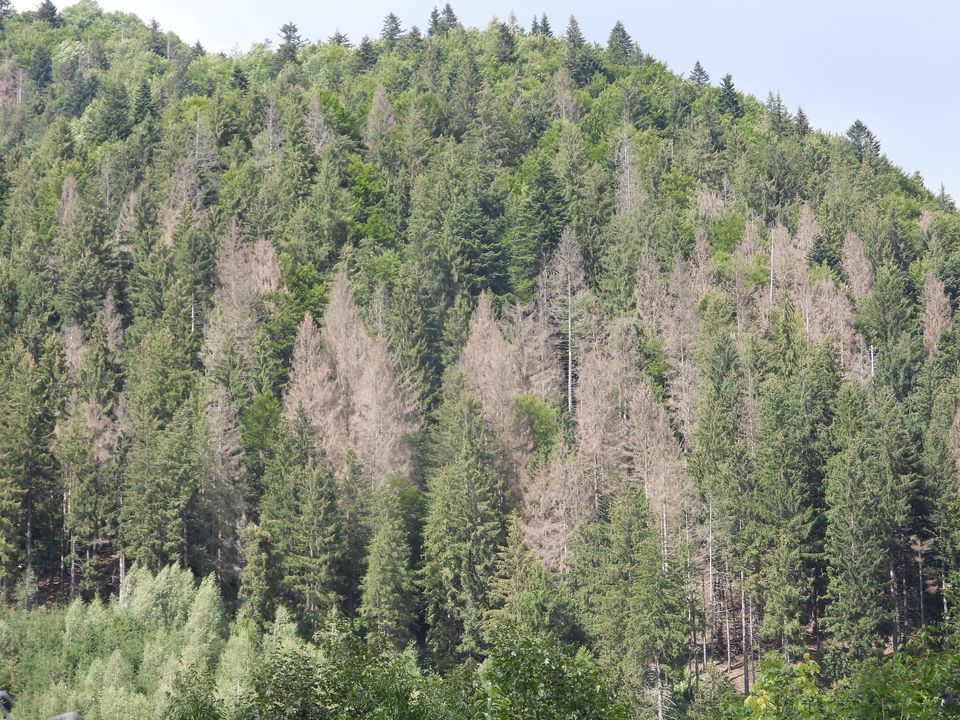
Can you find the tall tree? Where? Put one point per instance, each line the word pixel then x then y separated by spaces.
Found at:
pixel 632 599
pixel 566 299
pixel 729 100
pixel 620 46
pixel 699 76
pixel 465 525
pixel 389 592
pixel 302 519
pixel 391 31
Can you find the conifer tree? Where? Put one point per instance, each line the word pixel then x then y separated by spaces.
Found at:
pixel 6 10
pixel 48 13
pixel 540 218
pixel 854 550
pixel 292 42
pixel 565 293
pixel 545 28
pixel 409 334
pixel 631 598
pixel 255 594
pixel 573 35
pixel 794 412
pixel 389 595
pixel 434 24
pixel 302 519
pixel 391 31
pixel 41 67
pixel 699 76
pixel 465 525
pixel 866 147
pixel 449 18
pixel 801 123
pixel 158 518
pixel 525 597
pixel 620 46
pixel 729 100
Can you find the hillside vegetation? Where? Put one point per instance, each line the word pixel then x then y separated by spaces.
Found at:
pixel 462 373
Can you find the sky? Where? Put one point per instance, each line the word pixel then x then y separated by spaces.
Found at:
pixel 892 64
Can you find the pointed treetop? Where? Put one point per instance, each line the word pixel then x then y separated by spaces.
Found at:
pixel 48 12
pixel 545 28
pixel 433 25
pixel 865 144
pixel 699 76
pixel 801 122
pixel 619 44
pixel 729 99
pixel 450 17
pixel 339 38
pixel 574 36
pixel 391 31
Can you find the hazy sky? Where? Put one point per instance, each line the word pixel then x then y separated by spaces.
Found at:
pixel 892 64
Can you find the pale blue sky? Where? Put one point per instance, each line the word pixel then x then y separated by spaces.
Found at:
pixel 894 65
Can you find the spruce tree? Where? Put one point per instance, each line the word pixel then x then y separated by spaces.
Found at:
pixel 526 597
pixel 48 13
pixel 699 76
pixel 465 524
pixel 855 547
pixel 729 100
pixel 620 46
pixel 160 519
pixel 538 220
pixel 801 123
pixel 365 56
pixel 6 10
pixel 255 595
pixel 31 491
pixel 631 598
pixel 449 18
pixel 292 42
pixel 794 414
pixel 389 595
pixel 545 28
pixel 302 519
pixel 434 26
pixel 573 35
pixel 391 31
pixel 41 67
pixel 340 39
pixel 866 147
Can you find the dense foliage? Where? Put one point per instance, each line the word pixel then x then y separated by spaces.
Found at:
pixel 477 373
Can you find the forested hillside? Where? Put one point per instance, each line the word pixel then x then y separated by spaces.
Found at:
pixel 461 373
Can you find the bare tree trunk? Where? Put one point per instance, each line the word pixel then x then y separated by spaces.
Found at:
pixel 704 634
pixel 943 589
pixel 746 637
pixel 29 529
pixel 569 347
pixel 711 620
pixel 660 704
pixel 816 620
pixel 73 565
pixel 754 651
pixel 923 619
pixel 904 602
pixel 895 603
pixel 726 616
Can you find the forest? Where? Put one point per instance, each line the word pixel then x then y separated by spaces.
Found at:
pixel 488 374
